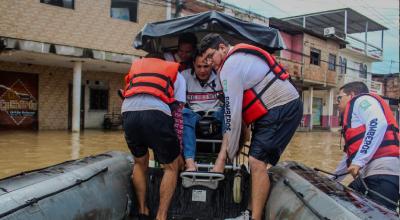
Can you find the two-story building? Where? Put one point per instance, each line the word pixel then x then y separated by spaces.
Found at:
pixel 353 60
pixel 62 61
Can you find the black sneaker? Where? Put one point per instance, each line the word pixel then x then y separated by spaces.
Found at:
pixel 143 217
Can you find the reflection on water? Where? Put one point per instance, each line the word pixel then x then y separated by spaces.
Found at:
pixel 21 151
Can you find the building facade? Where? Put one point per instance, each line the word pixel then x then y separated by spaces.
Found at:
pixel 391 91
pixel 62 61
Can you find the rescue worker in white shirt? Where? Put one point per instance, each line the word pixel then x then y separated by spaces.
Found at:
pixel 203 95
pixel 371 143
pixel 152 85
pixel 258 88
pixel 184 55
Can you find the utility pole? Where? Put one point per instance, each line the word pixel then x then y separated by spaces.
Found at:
pixel 390 69
pixel 179 5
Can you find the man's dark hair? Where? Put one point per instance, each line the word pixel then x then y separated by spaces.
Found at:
pixel 188 38
pixel 211 41
pixel 356 87
pixel 155 55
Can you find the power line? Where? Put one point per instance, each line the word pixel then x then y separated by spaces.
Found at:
pixel 325 61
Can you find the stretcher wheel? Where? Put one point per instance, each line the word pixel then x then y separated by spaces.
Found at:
pixel 237 192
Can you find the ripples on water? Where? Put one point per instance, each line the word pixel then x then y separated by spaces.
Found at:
pixel 22 151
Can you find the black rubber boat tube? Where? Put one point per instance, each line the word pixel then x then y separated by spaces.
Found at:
pixel 35 200
pixel 301 197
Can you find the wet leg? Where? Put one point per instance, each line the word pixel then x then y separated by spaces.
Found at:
pixel 260 185
pixel 167 188
pixel 139 180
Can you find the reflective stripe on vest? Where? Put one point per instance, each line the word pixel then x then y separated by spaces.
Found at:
pixel 354 136
pixel 152 76
pixel 254 99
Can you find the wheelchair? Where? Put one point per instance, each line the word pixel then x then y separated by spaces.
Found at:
pixel 208 143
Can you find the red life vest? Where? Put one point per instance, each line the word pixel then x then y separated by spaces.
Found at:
pixel 354 136
pixel 253 106
pixel 152 76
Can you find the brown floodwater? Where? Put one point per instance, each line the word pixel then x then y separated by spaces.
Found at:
pixel 22 151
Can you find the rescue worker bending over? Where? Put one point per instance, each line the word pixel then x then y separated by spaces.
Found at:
pixel 258 91
pixel 371 143
pixel 147 122
pixel 203 96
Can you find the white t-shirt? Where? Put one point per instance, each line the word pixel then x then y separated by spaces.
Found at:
pixel 202 98
pixel 180 88
pixel 368 111
pixel 240 72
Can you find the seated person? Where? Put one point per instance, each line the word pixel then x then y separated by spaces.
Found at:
pixel 203 95
pixel 184 55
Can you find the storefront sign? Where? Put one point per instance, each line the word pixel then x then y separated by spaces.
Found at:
pixel 18 100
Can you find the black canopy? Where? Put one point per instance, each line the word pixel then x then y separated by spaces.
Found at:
pixel 161 36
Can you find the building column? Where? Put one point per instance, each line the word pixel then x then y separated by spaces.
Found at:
pixel 330 106
pixel 76 96
pixel 311 90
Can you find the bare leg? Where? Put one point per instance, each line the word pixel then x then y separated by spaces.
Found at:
pixel 259 186
pixel 190 164
pixel 139 180
pixel 167 188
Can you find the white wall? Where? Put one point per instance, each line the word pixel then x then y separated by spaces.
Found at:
pixel 93 118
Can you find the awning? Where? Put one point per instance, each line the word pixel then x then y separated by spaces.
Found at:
pixel 161 35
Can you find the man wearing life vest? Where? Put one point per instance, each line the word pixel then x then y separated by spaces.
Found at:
pixel 150 87
pixel 184 55
pixel 258 91
pixel 203 95
pixel 371 143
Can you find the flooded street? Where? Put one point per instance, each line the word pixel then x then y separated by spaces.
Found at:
pixel 22 151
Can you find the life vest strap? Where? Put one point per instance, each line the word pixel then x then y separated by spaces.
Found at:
pixel 258 96
pixel 353 140
pixel 153 85
pixel 158 75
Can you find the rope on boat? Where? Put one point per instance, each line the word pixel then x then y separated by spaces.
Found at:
pixel 367 190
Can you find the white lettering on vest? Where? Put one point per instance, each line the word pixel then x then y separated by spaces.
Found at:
pixel 369 136
pixel 227 114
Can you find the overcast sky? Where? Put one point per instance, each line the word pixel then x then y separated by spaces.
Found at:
pixel 385 12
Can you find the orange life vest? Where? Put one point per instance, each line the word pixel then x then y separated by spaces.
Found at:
pixel 152 76
pixel 354 136
pixel 254 100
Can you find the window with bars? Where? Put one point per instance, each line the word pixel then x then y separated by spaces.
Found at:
pixel 98 99
pixel 343 65
pixel 332 62
pixel 363 71
pixel 315 57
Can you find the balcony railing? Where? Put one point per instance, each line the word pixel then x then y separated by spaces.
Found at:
pixel 364 47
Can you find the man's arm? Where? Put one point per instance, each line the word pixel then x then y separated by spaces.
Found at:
pixel 232 84
pixel 369 112
pixel 341 168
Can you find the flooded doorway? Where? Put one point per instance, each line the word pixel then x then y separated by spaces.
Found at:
pixel 317 111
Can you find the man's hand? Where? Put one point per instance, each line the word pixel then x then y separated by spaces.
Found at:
pixel 354 170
